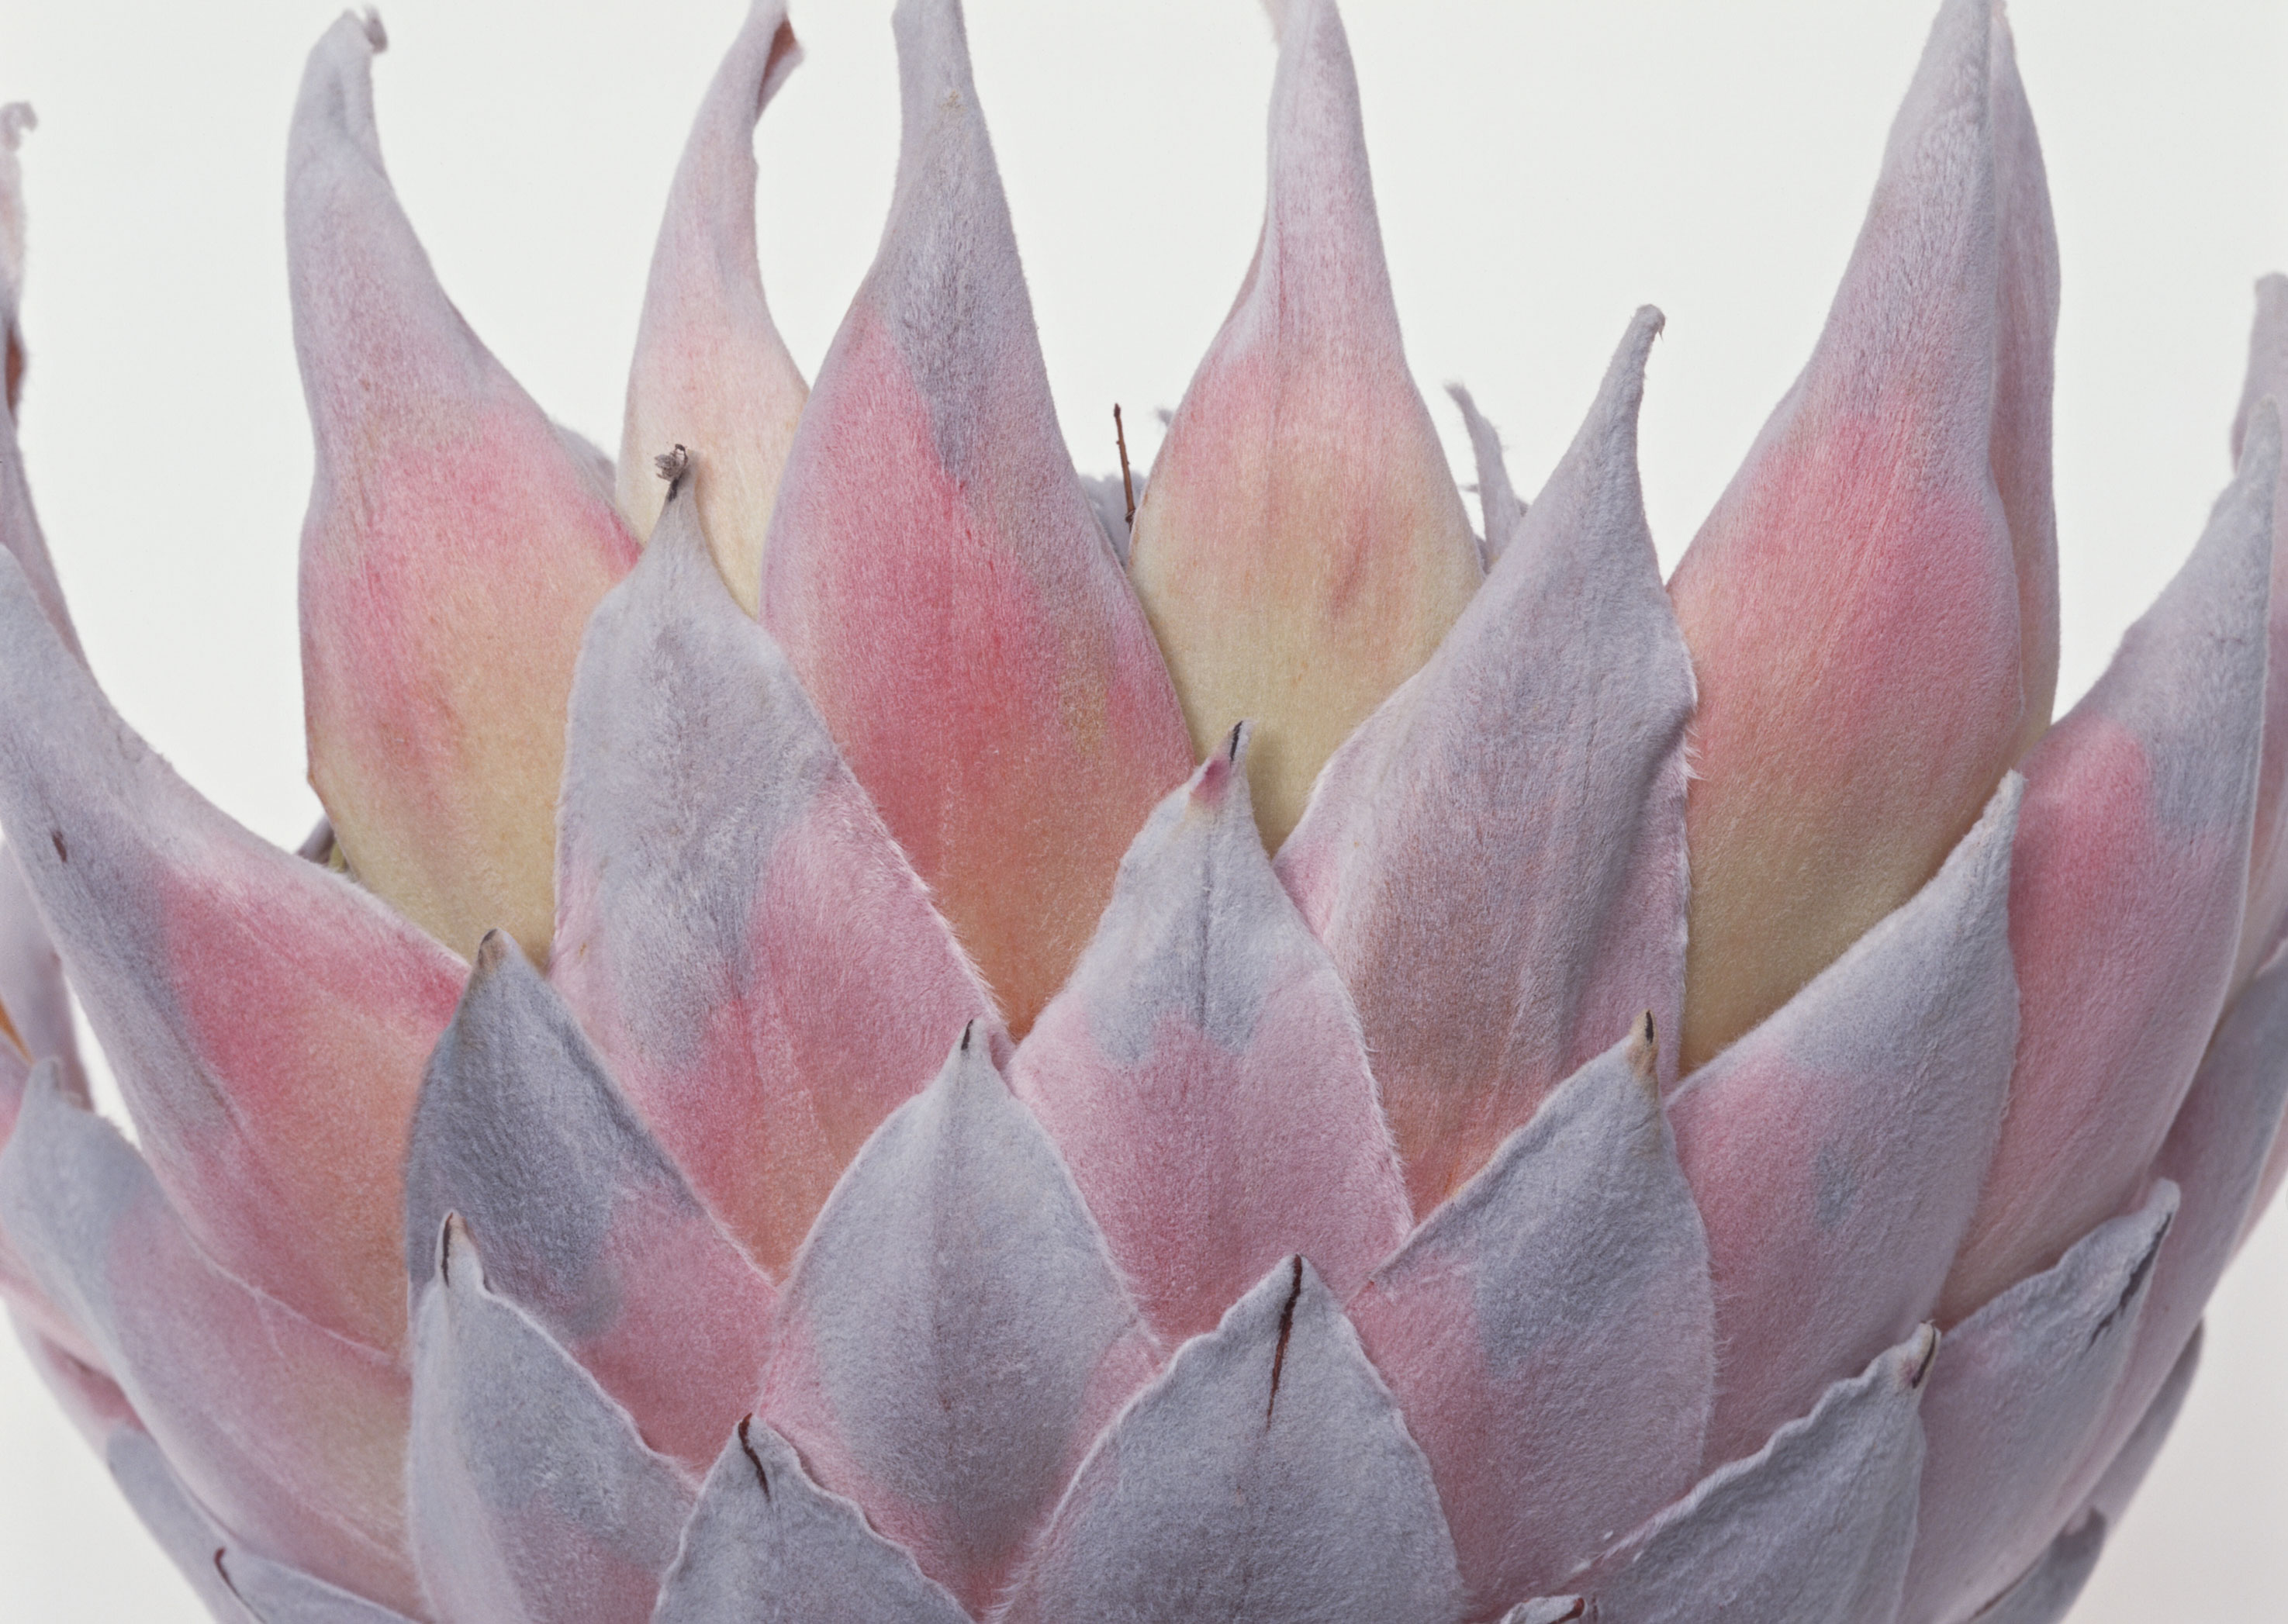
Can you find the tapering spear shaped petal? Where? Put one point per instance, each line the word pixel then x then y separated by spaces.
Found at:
pixel 453 547
pixel 1496 860
pixel 1301 546
pixel 1864 560
pixel 711 371
pixel 1202 1075
pixel 266 1020
pixel 191 1539
pixel 2123 1475
pixel 1814 1528
pixel 1550 1335
pixel 954 1332
pixel 43 1326
pixel 766 1545
pixel 1499 506
pixel 69 1366
pixel 2025 367
pixel 2267 915
pixel 1025 724
pixel 1838 1150
pixel 2215 1154
pixel 2049 1589
pixel 15 119
pixel 1265 1475
pixel 292 1434
pixel 586 1224
pixel 20 527
pixel 533 1499
pixel 735 929
pixel 2019 1393
pixel 2126 895
pixel 239 1586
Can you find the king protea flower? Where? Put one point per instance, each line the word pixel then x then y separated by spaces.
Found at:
pixel 880 1032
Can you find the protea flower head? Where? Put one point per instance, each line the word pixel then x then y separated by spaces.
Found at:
pixel 881 1032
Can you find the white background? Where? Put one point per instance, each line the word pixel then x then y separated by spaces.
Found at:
pixel 1543 168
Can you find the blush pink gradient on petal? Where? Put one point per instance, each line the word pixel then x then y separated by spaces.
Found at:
pixel 455 544
pixel 1203 1076
pixel 239 1585
pixel 711 371
pixel 532 1497
pixel 1301 548
pixel 940 581
pixel 735 929
pixel 266 1020
pixel 1838 1150
pixel 1550 1335
pixel 588 1225
pixel 292 1434
pixel 2127 887
pixel 1864 561
pixel 1496 858
pixel 955 1334
pixel 90 1399
pixel 2020 1392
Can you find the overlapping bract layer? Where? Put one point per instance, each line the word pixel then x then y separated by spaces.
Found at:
pixel 1336 1235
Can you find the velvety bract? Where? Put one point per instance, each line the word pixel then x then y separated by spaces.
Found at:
pixel 861 1045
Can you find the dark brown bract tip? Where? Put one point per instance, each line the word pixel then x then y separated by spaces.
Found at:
pixel 1286 1330
pixel 1127 480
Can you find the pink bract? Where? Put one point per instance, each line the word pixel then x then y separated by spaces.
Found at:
pixel 873 1035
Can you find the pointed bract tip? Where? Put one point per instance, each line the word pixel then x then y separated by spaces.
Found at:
pixel 747 1447
pixel 1920 1355
pixel 1218 785
pixel 455 1248
pixel 784 53
pixel 375 36
pixel 492 953
pixel 17 120
pixel 1644 1049
pixel 1286 1331
pixel 672 465
pixel 2267 354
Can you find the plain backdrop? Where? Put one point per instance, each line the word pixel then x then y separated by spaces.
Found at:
pixel 1542 170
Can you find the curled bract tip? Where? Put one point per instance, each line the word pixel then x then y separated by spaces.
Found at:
pixel 369 22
